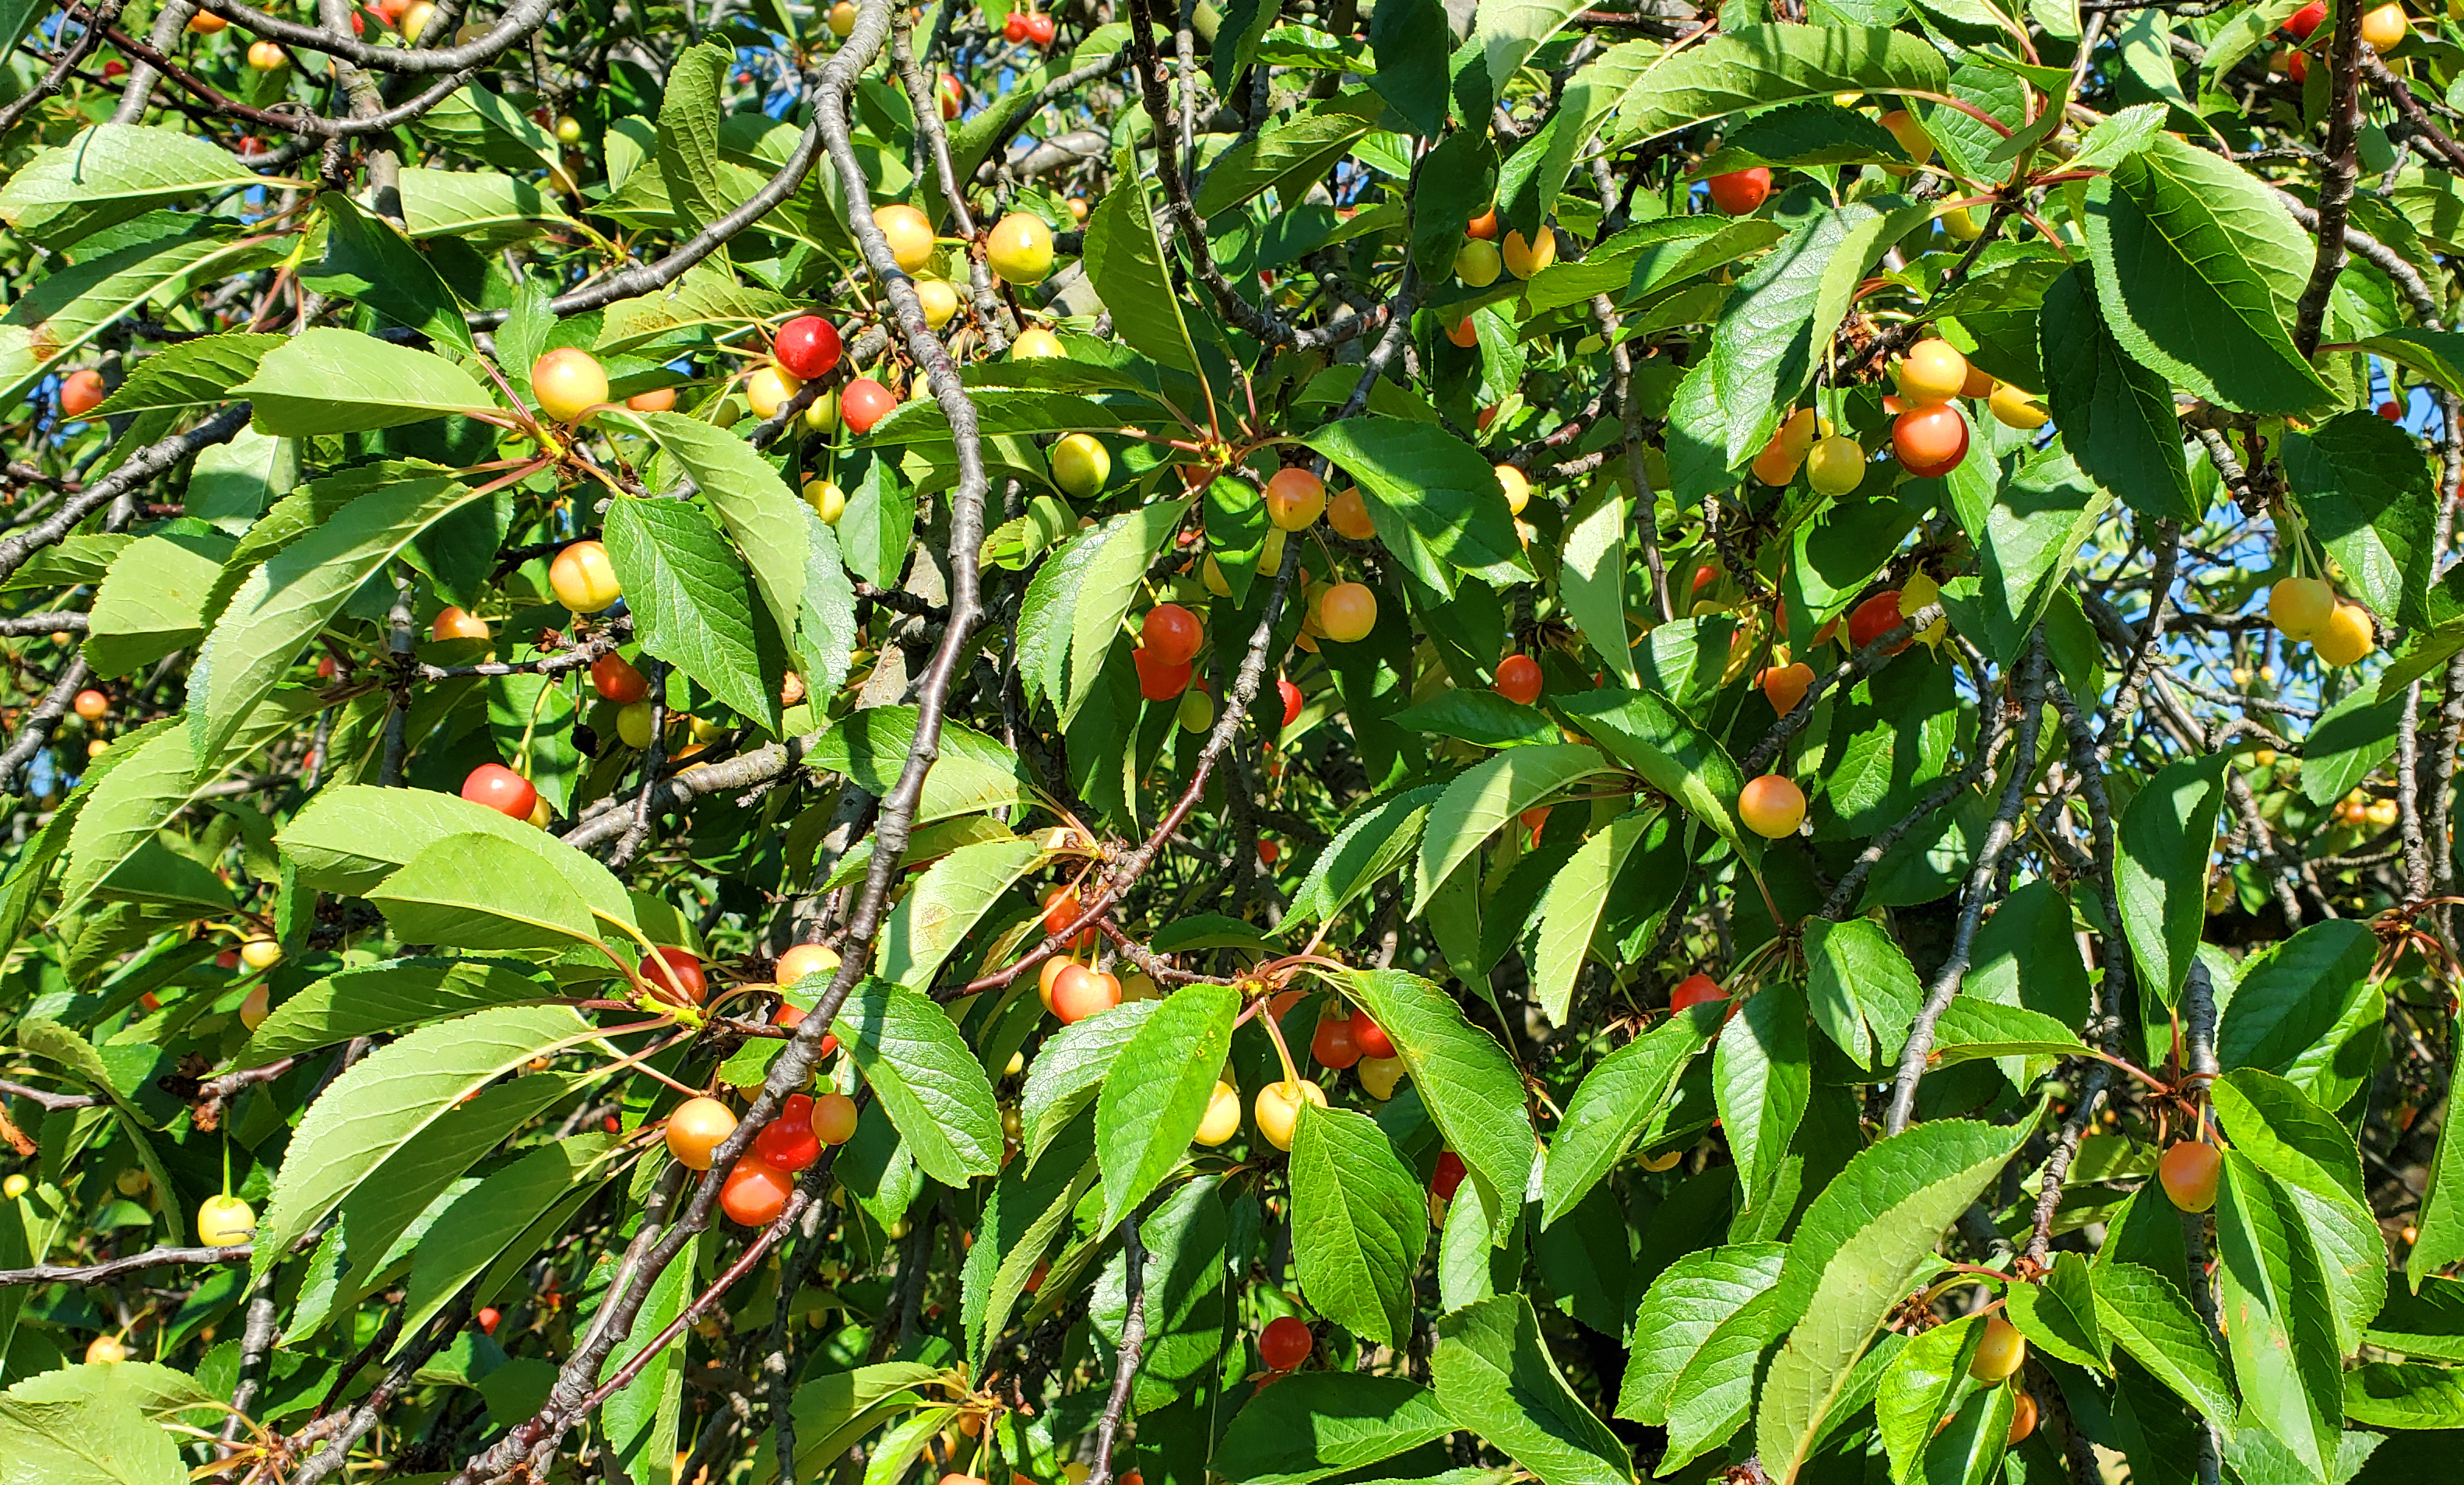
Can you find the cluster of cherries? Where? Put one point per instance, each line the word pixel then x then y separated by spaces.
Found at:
pixel 1032 26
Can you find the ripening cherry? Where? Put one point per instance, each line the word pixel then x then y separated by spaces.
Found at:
pixel 1785 685
pixel 1516 486
pixel 1527 256
pixel 500 789
pixel 1159 679
pixel 1741 192
pixel 2015 408
pixel 266 56
pixel 953 98
pixel 1333 1044
pixel 1771 806
pixel 91 705
pixel 1284 1344
pixel 698 1128
pixel 769 389
pixel 1873 618
pixel 908 233
pixel 1931 441
pixel 1018 249
pixel 453 623
pixel 2001 1351
pixel 204 23
pixel 2301 606
pixel 2189 1171
pixel 582 579
pixel 225 1222
pixel 260 953
pixel 2306 20
pixel 2385 28
pixel 1171 634
pixel 255 1006
pixel 843 19
pixel 1037 344
pixel 1348 612
pixel 656 400
pixel 1464 333
pixel 938 298
pixel 806 346
pixel 1483 227
pixel 81 391
pixel 1910 133
pixel 1693 990
pixel 1079 993
pixel 755 1193
pixel 673 969
pixel 1222 1119
pixel 1348 512
pixel 2347 638
pixel 2023 1420
pixel 613 677
pixel 1519 679
pixel 1379 1075
pixel 568 383
pixel 1448 1178
pixel 107 1350
pixel 1080 464
pixel 1478 263
pixel 801 961
pixel 1291 698
pixel 1269 852
pixel 787 1141
pixel 1371 1038
pixel 1277 1109
pixel 1933 371
pixel 1296 498
pixel 834 1117
pixel 487 1318
pixel 864 403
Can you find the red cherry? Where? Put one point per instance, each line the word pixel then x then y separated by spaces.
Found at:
pixel 1173 634
pixel 1929 441
pixel 615 679
pixel 1040 28
pixel 1738 192
pixel 807 346
pixel 1873 618
pixel 2306 20
pixel 1284 1344
pixel 1705 574
pixel 685 969
pixel 1693 990
pixel 755 1192
pixel 487 1318
pixel 1291 695
pixel 2393 412
pixel 1270 852
pixel 613 1125
pixel 1518 678
pixel 1014 29
pixel 1159 679
pixel 1448 1177
pixel 787 1141
pixel 864 403
pixel 1334 1045
pixel 1371 1038
pixel 502 790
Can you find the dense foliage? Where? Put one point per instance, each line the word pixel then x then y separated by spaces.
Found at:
pixel 1246 743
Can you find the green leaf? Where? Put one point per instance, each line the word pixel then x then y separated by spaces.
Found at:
pixel 330 381
pixel 836 1411
pixel 925 1078
pixel 974 773
pixel 1505 33
pixel 2368 496
pixel 350 838
pixel 1496 1377
pixel 1111 578
pixel 90 1436
pixel 1692 1299
pixel 1359 1222
pixel 60 314
pixel 2198 266
pixel 1300 146
pixel 1762 1073
pixel 1313 1424
pixel 2169 832
pixel 760 511
pixel 110 172
pixel 289 597
pixel 390 1099
pixel 369 261
pixel 1860 989
pixel 2405 1395
pixel 2439 1225
pixel 122 816
pixel 1030 1201
pixel 1409 40
pixel 1715 1395
pixel 1920 1396
pixel 197 373
pixel 1434 499
pixel 1156 1093
pixel 1069 1069
pixel 687 132
pixel 2349 739
pixel 2296 1009
pixel 944 905
pixel 2026 533
pixel 2057 1313
pixel 1125 262
pixel 484 1221
pixel 1577 896
pixel 1646 731
pixel 1863 1245
pixel 1618 1099
pixel 1534 176
pixel 1467 1082
pixel 1483 798
pixel 691 601
pixel 388 997
pixel 2147 1316
pixel 1591 578
pixel 1756 66
pixel 1971 1028
pixel 2315 1162
pixel 2273 1300
pixel 483 892
pixel 1380 836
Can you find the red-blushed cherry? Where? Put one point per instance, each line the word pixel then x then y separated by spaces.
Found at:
pixel 807 346
pixel 1519 679
pixel 671 969
pixel 1693 990
pixel 1285 1342
pixel 698 1126
pixel 1931 441
pixel 1371 1038
pixel 656 400
pixel 1291 695
pixel 1079 993
pixel 787 1141
pixel 755 1193
pixel 488 1319
pixel 613 677
pixel 2188 1172
pixel 1269 852
pixel 1173 634
pixel 1739 192
pixel 1333 1044
pixel 1041 29
pixel 81 392
pixel 1448 1178
pixel 1873 618
pixel 834 1117
pixel 1159 679
pixel 864 403
pixel 456 623
pixel 91 705
pixel 1062 907
pixel 2306 20
pixel 502 790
